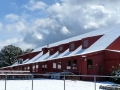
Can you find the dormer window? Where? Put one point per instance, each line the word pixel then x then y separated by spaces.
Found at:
pixel 61 48
pixel 20 61
pixel 72 46
pixel 51 50
pixel 85 43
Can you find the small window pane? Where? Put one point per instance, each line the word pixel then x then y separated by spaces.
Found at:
pixel 89 64
pixel 25 68
pixel 28 68
pixel 61 48
pixel 68 64
pixel 33 68
pixel 43 67
pixel 54 65
pixel 74 64
pixel 85 43
pixel 72 46
pixel 59 65
pixel 36 67
pixel 51 51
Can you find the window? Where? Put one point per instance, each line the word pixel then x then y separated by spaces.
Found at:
pixel 51 51
pixel 33 68
pixel 74 64
pixel 36 67
pixel 20 61
pixel 54 65
pixel 61 48
pixel 68 64
pixel 59 65
pixel 85 43
pixel 89 64
pixel 72 46
pixel 28 68
pixel 43 67
pixel 25 68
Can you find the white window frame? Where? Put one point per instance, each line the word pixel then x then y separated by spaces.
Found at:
pixel 54 65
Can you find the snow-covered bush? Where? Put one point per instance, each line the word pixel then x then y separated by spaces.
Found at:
pixel 116 72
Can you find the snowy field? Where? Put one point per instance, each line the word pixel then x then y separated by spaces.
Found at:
pixel 50 84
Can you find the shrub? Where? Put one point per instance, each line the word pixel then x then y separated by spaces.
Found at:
pixel 115 72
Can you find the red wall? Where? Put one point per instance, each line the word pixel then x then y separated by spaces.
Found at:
pixel 55 49
pixel 29 55
pixel 115 45
pixel 45 50
pixel 91 40
pixel 65 47
pixel 98 61
pixel 102 60
pixel 76 44
pixel 111 59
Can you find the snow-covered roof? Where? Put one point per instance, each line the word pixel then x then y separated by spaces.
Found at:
pixel 79 37
pixel 113 50
pixel 109 34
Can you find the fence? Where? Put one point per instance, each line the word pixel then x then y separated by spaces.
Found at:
pixel 31 77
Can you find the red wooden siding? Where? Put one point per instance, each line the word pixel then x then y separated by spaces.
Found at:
pixel 29 55
pixel 53 50
pixel 76 44
pixel 91 40
pixel 115 45
pixel 65 47
pixel 45 50
pixel 112 59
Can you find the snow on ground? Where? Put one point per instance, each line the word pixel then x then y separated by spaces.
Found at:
pixel 50 84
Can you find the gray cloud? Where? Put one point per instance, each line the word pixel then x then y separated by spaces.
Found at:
pixel 77 16
pixel 67 19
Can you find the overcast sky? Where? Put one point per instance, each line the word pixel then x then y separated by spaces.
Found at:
pixel 34 23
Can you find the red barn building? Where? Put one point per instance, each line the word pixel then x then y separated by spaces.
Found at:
pixel 93 53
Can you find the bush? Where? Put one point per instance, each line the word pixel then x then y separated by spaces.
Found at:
pixel 115 72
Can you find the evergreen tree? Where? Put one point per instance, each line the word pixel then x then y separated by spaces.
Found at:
pixel 9 54
pixel 28 50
